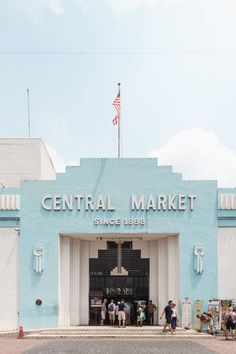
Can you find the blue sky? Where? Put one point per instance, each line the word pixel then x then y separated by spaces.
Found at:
pixel 175 59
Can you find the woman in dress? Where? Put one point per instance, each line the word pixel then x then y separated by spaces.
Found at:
pixel 103 311
pixel 140 314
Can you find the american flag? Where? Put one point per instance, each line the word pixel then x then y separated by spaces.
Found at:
pixel 116 104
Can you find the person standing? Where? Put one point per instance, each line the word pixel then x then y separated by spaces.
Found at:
pixel 127 313
pixel 230 321
pixel 121 313
pixel 151 308
pixel 111 312
pixel 103 311
pixel 131 312
pixel 116 312
pixel 140 314
pixel 168 313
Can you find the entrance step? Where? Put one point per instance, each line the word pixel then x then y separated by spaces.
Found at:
pixel 113 332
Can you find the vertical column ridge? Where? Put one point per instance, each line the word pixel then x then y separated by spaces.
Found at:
pixel 64 288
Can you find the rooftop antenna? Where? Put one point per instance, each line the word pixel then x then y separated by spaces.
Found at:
pixel 28 112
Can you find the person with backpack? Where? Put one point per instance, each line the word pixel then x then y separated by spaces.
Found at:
pixel 230 321
pixel 111 312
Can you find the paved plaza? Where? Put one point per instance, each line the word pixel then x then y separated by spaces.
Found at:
pixel 121 347
pixel 10 345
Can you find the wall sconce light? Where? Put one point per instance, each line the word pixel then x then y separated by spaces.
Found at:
pixel 38 252
pixel 38 302
pixel 199 252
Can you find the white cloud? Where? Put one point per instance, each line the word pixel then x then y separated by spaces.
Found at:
pixel 208 5
pixel 127 5
pixel 56 7
pixel 34 9
pixel 84 4
pixel 57 160
pixel 199 154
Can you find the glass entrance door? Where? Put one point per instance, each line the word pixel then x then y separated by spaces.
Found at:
pixel 133 287
pixel 116 288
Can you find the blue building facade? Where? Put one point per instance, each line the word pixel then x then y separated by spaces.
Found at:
pixel 66 223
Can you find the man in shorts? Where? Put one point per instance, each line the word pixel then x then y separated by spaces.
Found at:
pixel 168 313
pixel 121 313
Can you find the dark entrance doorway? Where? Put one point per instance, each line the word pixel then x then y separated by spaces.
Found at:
pixel 132 286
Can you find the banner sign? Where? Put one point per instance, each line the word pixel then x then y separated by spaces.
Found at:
pixel 214 306
pixel 186 313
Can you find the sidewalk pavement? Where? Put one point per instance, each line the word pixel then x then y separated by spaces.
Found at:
pixel 11 345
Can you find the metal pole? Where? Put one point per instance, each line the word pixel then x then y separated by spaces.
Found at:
pixel 119 138
pixel 119 125
pixel 28 112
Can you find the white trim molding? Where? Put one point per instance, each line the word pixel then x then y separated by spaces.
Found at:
pixel 227 201
pixel 9 202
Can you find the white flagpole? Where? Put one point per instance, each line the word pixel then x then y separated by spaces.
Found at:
pixel 119 126
pixel 28 112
